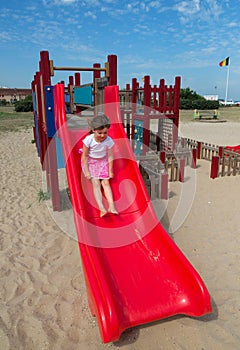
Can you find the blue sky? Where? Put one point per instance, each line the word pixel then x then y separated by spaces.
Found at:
pixel 160 38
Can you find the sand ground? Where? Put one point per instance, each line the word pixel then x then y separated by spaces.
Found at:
pixel 43 298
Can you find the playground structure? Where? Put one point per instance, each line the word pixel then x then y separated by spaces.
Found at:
pixel 139 106
pixel 47 142
pixel 160 282
pixel 85 96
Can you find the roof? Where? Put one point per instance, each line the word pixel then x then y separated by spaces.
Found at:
pixel 15 91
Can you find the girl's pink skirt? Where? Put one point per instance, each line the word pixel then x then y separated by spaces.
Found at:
pixel 98 167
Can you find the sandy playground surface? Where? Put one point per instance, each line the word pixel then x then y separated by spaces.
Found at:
pixel 43 298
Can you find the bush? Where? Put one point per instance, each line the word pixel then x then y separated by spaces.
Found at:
pixel 198 104
pixel 189 99
pixel 25 105
pixel 4 102
pixel 188 94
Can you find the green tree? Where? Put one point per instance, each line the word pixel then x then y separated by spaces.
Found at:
pixel 189 99
pixel 188 94
pixel 3 102
pixel 25 105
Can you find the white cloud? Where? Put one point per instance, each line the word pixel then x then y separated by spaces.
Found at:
pixel 58 2
pixel 4 36
pixel 90 14
pixel 66 1
pixel 90 3
pixel 204 11
pixel 188 7
pixel 232 24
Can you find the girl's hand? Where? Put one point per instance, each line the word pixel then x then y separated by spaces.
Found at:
pixel 111 175
pixel 88 176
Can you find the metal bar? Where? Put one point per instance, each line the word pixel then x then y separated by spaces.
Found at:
pixel 92 69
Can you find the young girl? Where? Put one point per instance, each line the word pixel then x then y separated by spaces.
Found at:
pixel 97 161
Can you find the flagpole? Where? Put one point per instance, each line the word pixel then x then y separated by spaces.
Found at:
pixel 227 83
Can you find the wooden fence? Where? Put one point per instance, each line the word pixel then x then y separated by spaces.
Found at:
pixel 160 168
pixel 223 161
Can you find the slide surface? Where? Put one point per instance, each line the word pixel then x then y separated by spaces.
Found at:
pixel 134 272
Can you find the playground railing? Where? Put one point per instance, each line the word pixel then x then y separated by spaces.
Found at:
pixel 224 161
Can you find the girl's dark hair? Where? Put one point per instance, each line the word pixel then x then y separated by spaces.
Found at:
pixel 100 122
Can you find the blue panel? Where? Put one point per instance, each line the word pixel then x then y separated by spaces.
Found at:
pixel 83 95
pixel 67 97
pixel 37 132
pixel 59 151
pixel 51 130
pixel 34 101
pixel 138 137
pixel 67 102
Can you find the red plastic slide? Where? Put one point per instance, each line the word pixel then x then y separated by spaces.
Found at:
pixel 134 271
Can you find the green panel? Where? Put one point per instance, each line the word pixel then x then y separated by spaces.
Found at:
pixel 83 95
pixel 138 137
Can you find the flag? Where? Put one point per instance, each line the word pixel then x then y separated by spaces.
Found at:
pixel 224 62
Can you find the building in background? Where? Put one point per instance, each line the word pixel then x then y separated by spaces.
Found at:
pixel 13 94
pixel 211 97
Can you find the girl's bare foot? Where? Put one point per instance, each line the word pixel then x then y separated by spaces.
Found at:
pixel 113 210
pixel 103 212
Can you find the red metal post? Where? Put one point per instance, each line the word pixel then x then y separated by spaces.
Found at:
pixel 77 84
pixel 164 186
pixel 134 102
pixel 147 105
pixel 181 170
pixel 161 95
pixel 70 90
pixel 50 156
pixel 77 79
pixel 165 99
pixel 96 75
pixel 147 91
pixel 162 156
pixel 112 60
pixel 34 127
pixel 170 145
pixel 134 92
pixel 40 121
pixel 177 100
pixel 71 80
pixel 44 79
pixel 199 150
pixel 127 106
pixel 176 107
pixel 127 102
pixel 194 158
pixel 220 151
pixel 45 67
pixel 170 98
pixel 214 167
pixel 154 97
